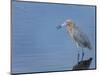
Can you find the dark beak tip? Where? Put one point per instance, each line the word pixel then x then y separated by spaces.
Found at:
pixel 58 27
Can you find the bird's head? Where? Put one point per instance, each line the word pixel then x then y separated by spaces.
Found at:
pixel 68 23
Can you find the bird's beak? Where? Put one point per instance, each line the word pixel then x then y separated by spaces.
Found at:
pixel 60 26
pixel 63 25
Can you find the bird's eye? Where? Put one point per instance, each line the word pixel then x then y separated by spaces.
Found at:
pixel 68 24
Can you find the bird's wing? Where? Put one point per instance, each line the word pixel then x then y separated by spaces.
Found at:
pixel 81 38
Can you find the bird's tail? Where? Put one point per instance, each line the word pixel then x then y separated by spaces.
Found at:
pixel 90 47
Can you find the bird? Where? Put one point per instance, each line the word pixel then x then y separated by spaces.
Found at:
pixel 81 40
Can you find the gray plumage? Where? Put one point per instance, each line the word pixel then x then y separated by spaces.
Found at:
pixel 80 38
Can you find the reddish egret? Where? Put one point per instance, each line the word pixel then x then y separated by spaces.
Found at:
pixel 77 36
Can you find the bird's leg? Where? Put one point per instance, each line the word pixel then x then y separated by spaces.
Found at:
pixel 82 54
pixel 78 57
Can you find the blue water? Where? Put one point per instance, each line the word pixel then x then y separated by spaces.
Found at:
pixel 37 45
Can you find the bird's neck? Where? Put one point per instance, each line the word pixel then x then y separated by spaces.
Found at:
pixel 70 28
